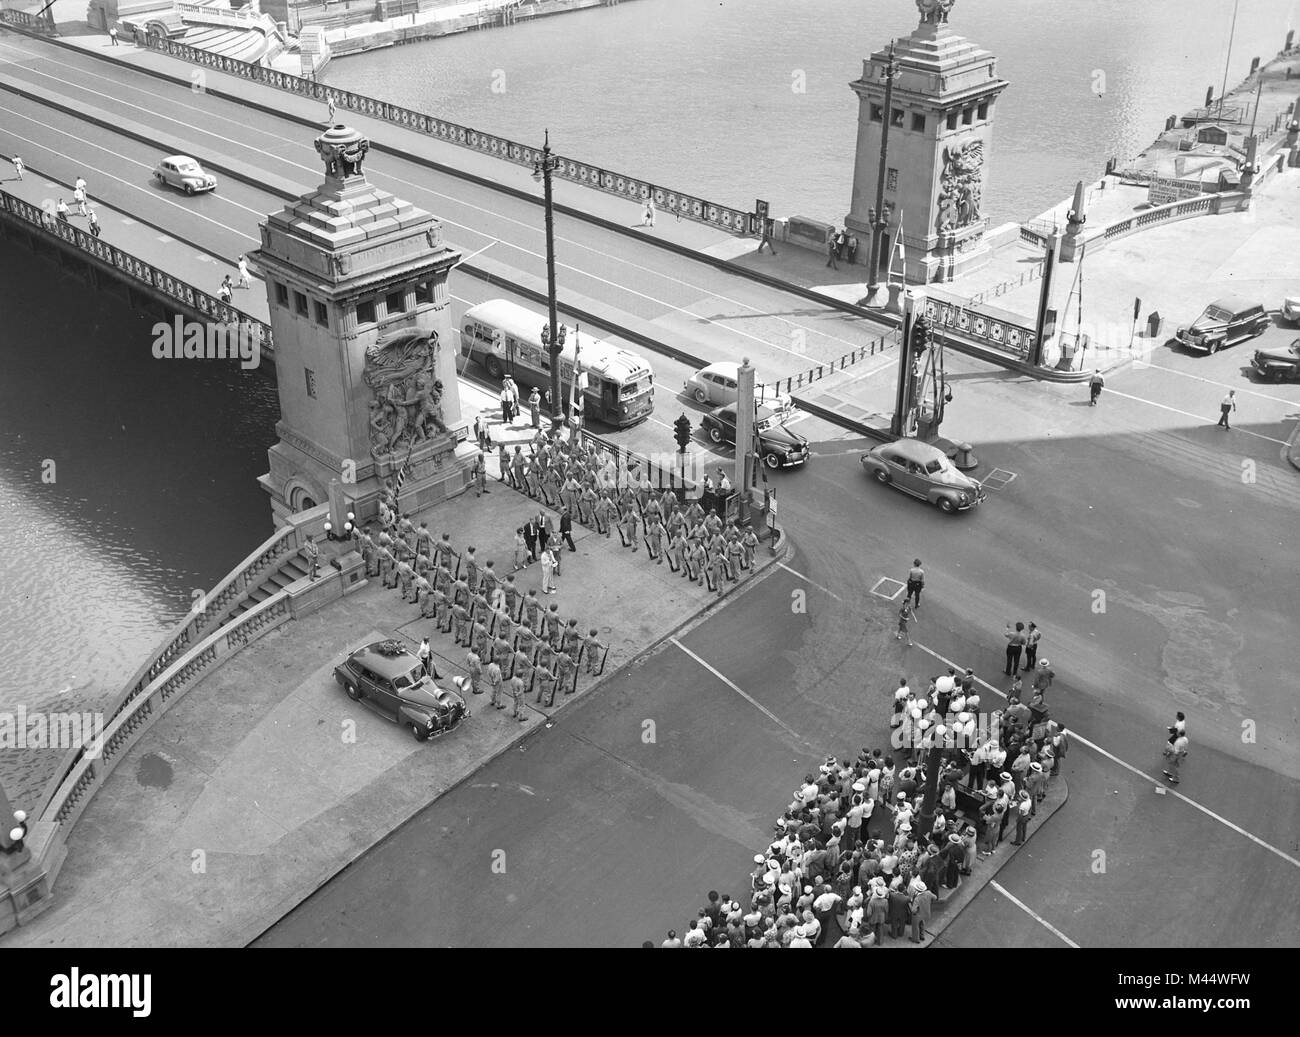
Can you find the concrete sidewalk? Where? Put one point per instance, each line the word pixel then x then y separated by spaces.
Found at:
pixel 266 780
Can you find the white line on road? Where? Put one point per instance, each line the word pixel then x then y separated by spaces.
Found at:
pixel 737 689
pixel 1190 414
pixel 1222 385
pixel 1033 914
pixel 1075 736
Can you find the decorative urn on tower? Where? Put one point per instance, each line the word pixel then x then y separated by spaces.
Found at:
pixel 364 346
pixel 940 126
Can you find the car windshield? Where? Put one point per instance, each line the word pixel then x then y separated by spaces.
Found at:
pixel 407 680
pixel 1214 313
pixel 187 167
pixel 934 467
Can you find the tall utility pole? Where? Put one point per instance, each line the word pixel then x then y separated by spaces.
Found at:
pixel 879 222
pixel 914 303
pixel 542 170
pixel 1228 60
pixel 745 459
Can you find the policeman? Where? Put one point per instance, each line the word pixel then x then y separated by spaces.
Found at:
pixel 517 693
pixel 405 576
pixel 423 590
pixel 489 581
pixel 565 672
pixel 387 567
pixel 492 674
pixel 460 624
pixel 313 557
pixel 545 684
pixel 471 569
pixel 593 649
pixel 474 667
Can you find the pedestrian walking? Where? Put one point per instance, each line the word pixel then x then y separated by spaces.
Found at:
pixel 767 237
pixel 915 582
pixel 566 528
pixel 18 166
pixel 243 272
pixel 1175 753
pixel 226 291
pixel 1015 645
pixel 112 36
pixel 530 531
pixel 905 616
pixel 329 102
pixel 1226 406
pixel 548 572
pixel 1023 806
pixel 1043 676
pixel 1032 636
pixel 94 223
pixel 830 253
pixel 1095 385
pixel 79 196
pixel 648 216
pixel 922 900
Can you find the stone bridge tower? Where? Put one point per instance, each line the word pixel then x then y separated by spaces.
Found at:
pixel 365 350
pixel 940 137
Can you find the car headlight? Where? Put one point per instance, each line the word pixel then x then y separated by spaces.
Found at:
pixel 964 499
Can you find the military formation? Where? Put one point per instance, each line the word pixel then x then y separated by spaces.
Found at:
pixel 515 645
pixel 581 482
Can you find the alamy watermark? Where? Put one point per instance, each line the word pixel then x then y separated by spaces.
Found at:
pixel 23 730
pixel 207 340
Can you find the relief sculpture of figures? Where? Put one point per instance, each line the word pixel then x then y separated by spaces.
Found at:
pixel 406 405
pixel 960 186
pixel 934 11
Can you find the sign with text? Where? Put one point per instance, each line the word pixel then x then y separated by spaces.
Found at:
pixel 1163 192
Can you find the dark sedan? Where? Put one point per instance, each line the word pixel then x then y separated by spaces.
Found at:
pixel 388 677
pixel 777 445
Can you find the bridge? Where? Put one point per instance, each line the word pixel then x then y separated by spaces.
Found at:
pixel 690 290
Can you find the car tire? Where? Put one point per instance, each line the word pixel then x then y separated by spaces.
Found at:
pixel 772 461
pixel 420 732
pixel 715 434
pixel 700 396
pixel 493 366
pixel 1214 347
pixel 354 693
pixel 189 188
pixel 159 178
pixel 946 505
pixel 882 476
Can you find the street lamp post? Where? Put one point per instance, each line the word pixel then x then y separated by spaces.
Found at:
pixel 542 170
pixel 879 222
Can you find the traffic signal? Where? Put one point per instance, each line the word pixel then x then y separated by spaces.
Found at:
pixel 682 433
pixel 920 334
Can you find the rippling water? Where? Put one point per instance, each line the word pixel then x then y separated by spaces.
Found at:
pixel 697 94
pixel 154 492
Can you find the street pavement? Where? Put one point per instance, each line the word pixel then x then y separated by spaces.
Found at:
pixel 608 840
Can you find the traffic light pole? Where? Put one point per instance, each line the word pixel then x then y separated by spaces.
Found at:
pixel 744 436
pixel 913 308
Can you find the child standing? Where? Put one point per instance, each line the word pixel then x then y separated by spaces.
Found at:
pixel 905 616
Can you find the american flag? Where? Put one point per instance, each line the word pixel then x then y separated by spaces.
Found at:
pixel 401 474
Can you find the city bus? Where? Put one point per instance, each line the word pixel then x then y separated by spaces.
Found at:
pixel 505 338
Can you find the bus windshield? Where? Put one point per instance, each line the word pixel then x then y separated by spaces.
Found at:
pixel 630 389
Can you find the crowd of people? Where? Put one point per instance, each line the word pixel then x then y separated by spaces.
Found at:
pixel 516 644
pixel 855 861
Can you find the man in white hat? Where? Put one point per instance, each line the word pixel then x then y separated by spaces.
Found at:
pixel 1024 805
pixel 1035 783
pixel 695 937
pixel 922 899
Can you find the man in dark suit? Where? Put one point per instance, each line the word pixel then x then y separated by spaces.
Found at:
pixel 566 528
pixel 530 538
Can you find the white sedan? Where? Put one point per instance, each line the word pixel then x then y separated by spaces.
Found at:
pixel 183 172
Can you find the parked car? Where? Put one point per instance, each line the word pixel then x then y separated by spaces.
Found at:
pixel 389 678
pixel 1225 322
pixel 777 445
pixel 1278 365
pixel 925 472
pixel 183 172
pixel 1291 308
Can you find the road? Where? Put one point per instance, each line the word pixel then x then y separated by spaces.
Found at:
pixel 608 840
pixel 1156 551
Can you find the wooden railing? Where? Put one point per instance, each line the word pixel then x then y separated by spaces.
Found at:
pixel 670 202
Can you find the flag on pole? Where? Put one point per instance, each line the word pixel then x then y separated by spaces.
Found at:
pixel 402 473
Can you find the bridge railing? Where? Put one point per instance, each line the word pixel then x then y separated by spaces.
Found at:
pixel 42 23
pixel 994 329
pixel 671 202
pixel 136 269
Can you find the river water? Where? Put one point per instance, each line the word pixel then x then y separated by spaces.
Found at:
pixel 154 492
pixel 699 95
